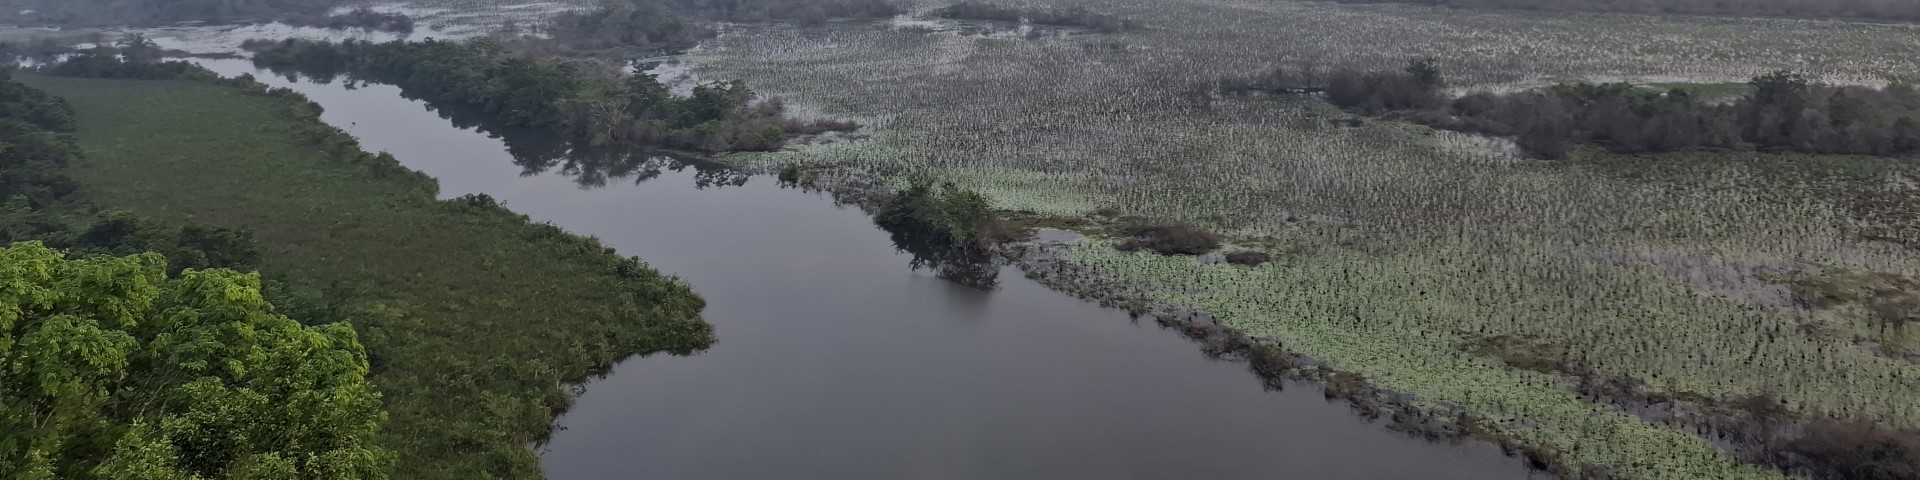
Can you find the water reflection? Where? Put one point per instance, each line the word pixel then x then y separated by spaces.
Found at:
pixel 539 151
pixel 835 363
pixel 963 263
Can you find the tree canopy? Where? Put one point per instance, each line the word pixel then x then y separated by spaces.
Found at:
pixel 110 369
pixel 579 99
pixel 1873 9
pixel 110 12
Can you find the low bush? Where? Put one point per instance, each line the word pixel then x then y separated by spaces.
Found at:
pixel 1854 451
pixel 1170 238
pixel 1249 258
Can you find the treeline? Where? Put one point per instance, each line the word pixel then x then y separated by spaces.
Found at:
pixel 1065 17
pixel 429 353
pixel 585 102
pixel 773 10
pixel 133 46
pixel 1784 112
pixel 359 18
pixel 1903 10
pixel 621 24
pixel 153 12
pixel 671 25
pixel 39 201
pixel 949 230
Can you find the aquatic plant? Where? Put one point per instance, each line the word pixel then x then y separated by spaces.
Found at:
pixel 1407 246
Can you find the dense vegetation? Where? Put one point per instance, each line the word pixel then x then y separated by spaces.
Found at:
pixel 473 317
pixel 948 230
pixel 43 203
pixel 622 25
pixel 1397 245
pixel 154 366
pixel 772 10
pixel 1852 9
pixel 360 18
pixel 32 166
pixel 1170 238
pixel 307 13
pixel 625 26
pixel 116 371
pixel 1783 111
pixel 153 12
pixel 1075 16
pixel 580 99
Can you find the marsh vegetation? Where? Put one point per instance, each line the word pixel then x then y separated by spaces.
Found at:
pixel 1712 277
pixel 1076 16
pixel 1641 260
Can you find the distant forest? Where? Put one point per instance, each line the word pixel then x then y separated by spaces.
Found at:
pixel 148 12
pixel 774 10
pixel 589 104
pixel 1902 10
pixel 1784 111
pixel 622 26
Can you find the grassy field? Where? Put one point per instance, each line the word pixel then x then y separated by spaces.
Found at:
pixel 1401 248
pixel 472 316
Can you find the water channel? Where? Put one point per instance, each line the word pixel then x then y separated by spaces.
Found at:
pixel 837 360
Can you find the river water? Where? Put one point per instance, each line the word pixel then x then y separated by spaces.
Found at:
pixel 837 360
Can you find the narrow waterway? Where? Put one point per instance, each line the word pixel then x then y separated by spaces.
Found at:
pixel 837 360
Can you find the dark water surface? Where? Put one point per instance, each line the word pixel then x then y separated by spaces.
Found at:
pixel 837 361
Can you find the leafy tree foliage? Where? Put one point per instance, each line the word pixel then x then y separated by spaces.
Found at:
pixel 772 10
pixel 34 153
pixel 619 28
pixel 946 230
pixel 364 18
pixel 111 370
pixel 148 12
pixel 960 214
pixel 1785 111
pixel 621 24
pixel 467 388
pixel 1865 9
pixel 33 149
pixel 589 104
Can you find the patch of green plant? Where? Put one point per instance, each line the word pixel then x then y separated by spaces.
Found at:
pixel 1867 306
pixel 589 103
pixel 116 371
pixel 474 317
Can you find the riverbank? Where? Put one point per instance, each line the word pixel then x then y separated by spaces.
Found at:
pixel 882 372
pixel 475 318
pixel 1429 263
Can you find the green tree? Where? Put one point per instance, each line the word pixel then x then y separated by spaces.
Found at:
pixel 111 370
pixel 1426 72
pixel 964 212
pixel 1780 88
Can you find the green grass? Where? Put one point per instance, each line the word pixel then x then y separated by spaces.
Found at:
pixel 472 316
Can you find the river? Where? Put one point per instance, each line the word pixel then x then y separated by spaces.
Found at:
pixel 837 360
